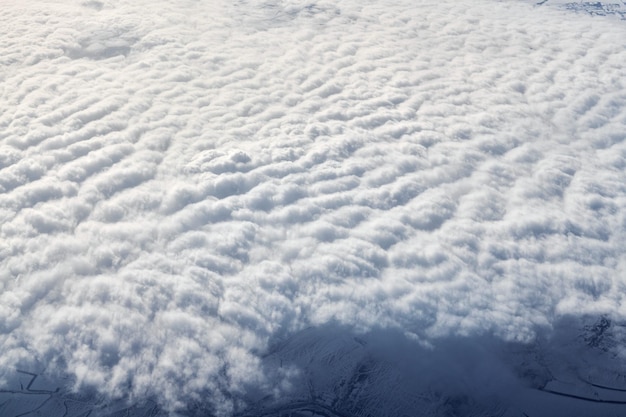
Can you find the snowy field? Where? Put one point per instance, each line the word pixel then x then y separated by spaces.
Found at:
pixel 595 8
pixel 322 208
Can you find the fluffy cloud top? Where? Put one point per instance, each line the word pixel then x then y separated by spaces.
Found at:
pixel 183 183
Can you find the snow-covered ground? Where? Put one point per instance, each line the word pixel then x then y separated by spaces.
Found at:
pixel 329 208
pixel 596 8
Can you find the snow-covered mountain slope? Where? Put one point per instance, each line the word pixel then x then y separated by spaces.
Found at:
pixel 257 207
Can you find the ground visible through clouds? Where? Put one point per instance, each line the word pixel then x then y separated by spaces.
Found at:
pixel 317 208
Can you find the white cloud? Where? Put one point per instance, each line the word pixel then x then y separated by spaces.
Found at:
pixel 183 184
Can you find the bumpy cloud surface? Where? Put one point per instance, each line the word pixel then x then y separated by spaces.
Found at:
pixel 183 183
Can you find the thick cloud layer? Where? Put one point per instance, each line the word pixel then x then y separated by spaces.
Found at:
pixel 181 183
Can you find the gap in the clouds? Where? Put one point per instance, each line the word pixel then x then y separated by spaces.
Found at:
pixel 594 8
pixel 334 370
pixel 574 367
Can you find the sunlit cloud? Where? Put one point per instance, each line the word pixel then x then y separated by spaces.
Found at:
pixel 183 184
